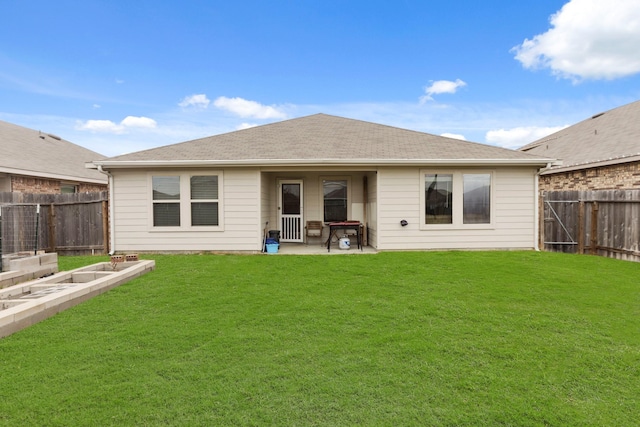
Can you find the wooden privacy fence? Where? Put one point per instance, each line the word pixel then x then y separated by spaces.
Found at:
pixel 601 222
pixel 71 224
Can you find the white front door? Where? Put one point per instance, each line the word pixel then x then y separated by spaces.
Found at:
pixel 290 209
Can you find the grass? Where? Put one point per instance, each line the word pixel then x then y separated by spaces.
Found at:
pixel 417 338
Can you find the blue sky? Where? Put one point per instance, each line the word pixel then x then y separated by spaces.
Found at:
pixel 116 76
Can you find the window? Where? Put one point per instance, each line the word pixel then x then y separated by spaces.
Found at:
pixel 66 188
pixel 455 198
pixel 477 198
pixel 438 198
pixel 335 199
pixel 204 200
pixel 166 201
pixel 186 201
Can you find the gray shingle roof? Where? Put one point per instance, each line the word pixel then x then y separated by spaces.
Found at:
pixel 324 139
pixel 33 153
pixel 606 138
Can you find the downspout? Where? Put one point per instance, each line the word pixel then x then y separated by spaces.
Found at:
pixel 112 234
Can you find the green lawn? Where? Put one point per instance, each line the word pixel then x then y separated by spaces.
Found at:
pixel 416 338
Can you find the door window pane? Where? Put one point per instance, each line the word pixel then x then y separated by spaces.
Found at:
pixel 291 199
pixel 438 199
pixel 477 198
pixel 335 199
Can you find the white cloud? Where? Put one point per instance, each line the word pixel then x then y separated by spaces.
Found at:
pixel 100 126
pixel 441 86
pixel 107 126
pixel 454 136
pixel 519 136
pixel 589 39
pixel 245 108
pixel 138 122
pixel 245 125
pixel 198 101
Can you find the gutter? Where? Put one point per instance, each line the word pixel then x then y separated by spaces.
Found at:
pixel 321 162
pixel 559 168
pixel 548 167
pixel 112 234
pixel 47 175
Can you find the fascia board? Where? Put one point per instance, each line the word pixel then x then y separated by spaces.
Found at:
pixel 316 162
pixel 591 165
pixel 13 171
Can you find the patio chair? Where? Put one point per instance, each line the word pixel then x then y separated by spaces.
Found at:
pixel 314 229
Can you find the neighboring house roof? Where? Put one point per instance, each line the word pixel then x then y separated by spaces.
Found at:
pixel 323 140
pixel 33 153
pixel 607 138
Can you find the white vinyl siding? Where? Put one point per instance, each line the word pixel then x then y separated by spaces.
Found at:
pixel 239 205
pixel 513 213
pixel 248 199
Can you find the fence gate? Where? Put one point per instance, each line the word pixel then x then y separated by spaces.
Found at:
pixel 556 232
pixel 598 222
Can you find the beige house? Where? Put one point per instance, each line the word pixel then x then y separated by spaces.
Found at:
pixel 409 190
pixel 42 163
pixel 599 153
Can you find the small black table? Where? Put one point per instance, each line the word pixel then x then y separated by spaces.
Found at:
pixel 345 225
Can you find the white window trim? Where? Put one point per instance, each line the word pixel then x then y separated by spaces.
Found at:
pixel 185 202
pixel 321 191
pixel 458 194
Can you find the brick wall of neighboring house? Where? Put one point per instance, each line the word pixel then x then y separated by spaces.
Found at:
pixel 92 188
pixel 624 176
pixel 25 184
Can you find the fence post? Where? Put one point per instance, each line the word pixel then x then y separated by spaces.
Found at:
pixel 594 229
pixel 0 239
pixel 52 227
pixel 541 200
pixel 35 245
pixel 581 227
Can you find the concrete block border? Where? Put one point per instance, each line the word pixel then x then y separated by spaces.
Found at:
pixel 28 303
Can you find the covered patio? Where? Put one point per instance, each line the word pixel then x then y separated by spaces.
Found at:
pixel 301 205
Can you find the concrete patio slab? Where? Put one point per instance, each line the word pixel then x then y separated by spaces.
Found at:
pixel 304 249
